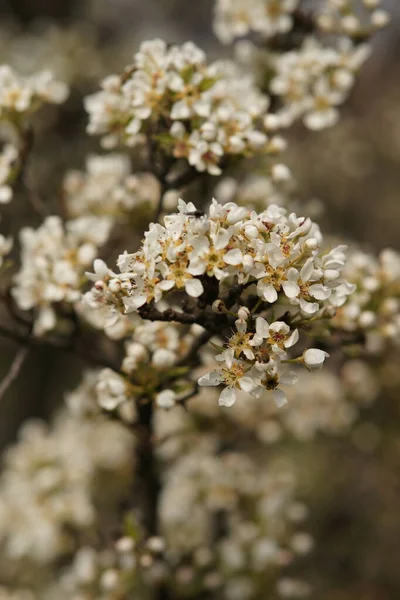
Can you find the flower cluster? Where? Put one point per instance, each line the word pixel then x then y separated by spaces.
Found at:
pixel 374 308
pixel 69 51
pixel 19 95
pixel 259 519
pixel 50 487
pixel 54 260
pixel 122 571
pixel 277 255
pixel 254 362
pixel 236 18
pixel 8 158
pixel 152 350
pixel 195 111
pixel 107 188
pixel 315 80
pixel 350 17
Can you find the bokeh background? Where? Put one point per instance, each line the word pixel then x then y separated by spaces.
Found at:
pixel 352 483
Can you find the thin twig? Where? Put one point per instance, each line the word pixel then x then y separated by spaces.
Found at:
pixel 14 370
pixel 28 139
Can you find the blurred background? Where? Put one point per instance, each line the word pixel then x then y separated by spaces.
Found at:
pixel 352 483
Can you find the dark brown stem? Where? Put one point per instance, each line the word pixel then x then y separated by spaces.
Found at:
pixel 147 468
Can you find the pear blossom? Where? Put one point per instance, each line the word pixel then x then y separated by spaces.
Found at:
pixel 112 390
pixel 236 18
pixel 107 188
pixel 19 95
pixel 234 377
pixel 213 110
pixel 54 260
pixel 315 80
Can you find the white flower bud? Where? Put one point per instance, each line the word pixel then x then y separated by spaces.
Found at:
pixel 271 122
pixel 125 544
pixel 281 172
pixel 109 579
pixel 380 18
pixel 314 358
pixel 156 544
pixel 243 313
pixel 367 318
pixel 114 286
pixel 218 306
pixel 350 23
pixel 311 243
pixel 166 399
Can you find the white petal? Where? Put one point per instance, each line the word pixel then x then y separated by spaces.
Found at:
pixel 291 289
pixel 222 239
pixel 246 384
pixel 308 307
pixel 227 397
pixel 307 269
pixel 279 397
pixel 319 292
pixel 262 327
pixel 210 379
pixel 292 339
pixel 233 257
pixel 270 294
pixel 194 288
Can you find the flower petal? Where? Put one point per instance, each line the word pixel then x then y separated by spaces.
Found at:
pixel 227 397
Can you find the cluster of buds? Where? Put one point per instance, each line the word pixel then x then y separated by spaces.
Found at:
pixel 8 159
pixel 358 18
pixel 20 95
pixel 107 188
pixel 193 110
pixel 152 355
pixel 314 81
pixel 54 259
pixel 374 308
pixel 237 18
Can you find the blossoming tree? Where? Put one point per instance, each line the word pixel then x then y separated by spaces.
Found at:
pixel 156 479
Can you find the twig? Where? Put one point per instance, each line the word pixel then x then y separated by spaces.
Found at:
pixel 14 370
pixel 27 138
pixel 193 354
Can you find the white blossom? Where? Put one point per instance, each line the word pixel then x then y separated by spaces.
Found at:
pixel 214 110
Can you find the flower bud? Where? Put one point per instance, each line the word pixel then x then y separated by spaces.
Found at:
pixel 243 313
pixel 218 306
pixel 166 399
pixel 314 358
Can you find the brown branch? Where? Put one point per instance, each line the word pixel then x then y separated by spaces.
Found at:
pixel 87 349
pixel 149 312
